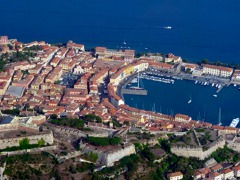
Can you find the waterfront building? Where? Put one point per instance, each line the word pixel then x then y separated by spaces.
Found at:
pixel 161 66
pixel 73 45
pixel 172 58
pixel 182 118
pixel 4 39
pixel 189 66
pixel 217 70
pixel 104 52
pixel 236 75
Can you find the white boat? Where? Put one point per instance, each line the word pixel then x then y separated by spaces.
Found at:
pixel 213 84
pixel 234 85
pixel 135 80
pixel 234 122
pixel 124 42
pixel 205 83
pixel 196 81
pixel 168 27
pixel 135 88
pixel 190 100
pixel 214 95
pixel 216 85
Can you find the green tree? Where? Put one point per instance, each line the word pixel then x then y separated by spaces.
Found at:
pixel 93 156
pixel 53 116
pixel 24 143
pixel 205 61
pixel 165 145
pixel 41 142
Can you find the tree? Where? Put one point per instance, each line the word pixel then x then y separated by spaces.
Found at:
pixel 205 61
pixel 41 142
pixel 53 116
pixel 165 145
pixel 188 71
pixel 93 156
pixel 24 143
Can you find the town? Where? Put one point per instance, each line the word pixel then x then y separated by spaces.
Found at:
pixel 65 104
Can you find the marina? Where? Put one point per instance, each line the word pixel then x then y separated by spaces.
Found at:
pixel 199 99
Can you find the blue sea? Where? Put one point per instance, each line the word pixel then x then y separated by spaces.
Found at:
pixel 200 29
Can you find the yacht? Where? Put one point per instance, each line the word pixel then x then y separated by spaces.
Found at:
pixel 168 27
pixel 214 95
pixel 213 84
pixel 234 122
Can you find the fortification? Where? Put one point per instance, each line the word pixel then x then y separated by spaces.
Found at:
pixel 109 155
pixel 198 152
pixel 33 139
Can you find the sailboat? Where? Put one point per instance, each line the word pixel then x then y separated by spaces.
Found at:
pixel 190 100
pixel 138 86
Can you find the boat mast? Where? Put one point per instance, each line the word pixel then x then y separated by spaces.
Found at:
pixel 219 117
pixel 138 77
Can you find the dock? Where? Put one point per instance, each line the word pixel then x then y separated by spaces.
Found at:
pixel 142 92
pixel 219 89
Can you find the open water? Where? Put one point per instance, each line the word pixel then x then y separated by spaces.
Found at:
pixel 200 28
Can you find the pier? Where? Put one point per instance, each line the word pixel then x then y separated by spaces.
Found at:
pixel 142 92
pixel 219 89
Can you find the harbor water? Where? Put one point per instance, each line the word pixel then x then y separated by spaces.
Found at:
pixel 171 98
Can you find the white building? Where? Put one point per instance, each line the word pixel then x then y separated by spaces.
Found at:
pixel 217 70
pixel 182 118
pixel 228 174
pixel 236 171
pixel 175 176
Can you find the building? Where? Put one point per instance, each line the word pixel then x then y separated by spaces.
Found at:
pixel 228 174
pixel 182 118
pixel 236 171
pixel 217 70
pixel 3 40
pixel 175 176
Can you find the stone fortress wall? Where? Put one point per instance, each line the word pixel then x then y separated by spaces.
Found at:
pixel 111 156
pixel 116 155
pixel 198 152
pixel 33 139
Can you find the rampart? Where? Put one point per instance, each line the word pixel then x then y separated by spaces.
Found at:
pixel 198 152
pixel 110 156
pixel 33 139
pixel 35 150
